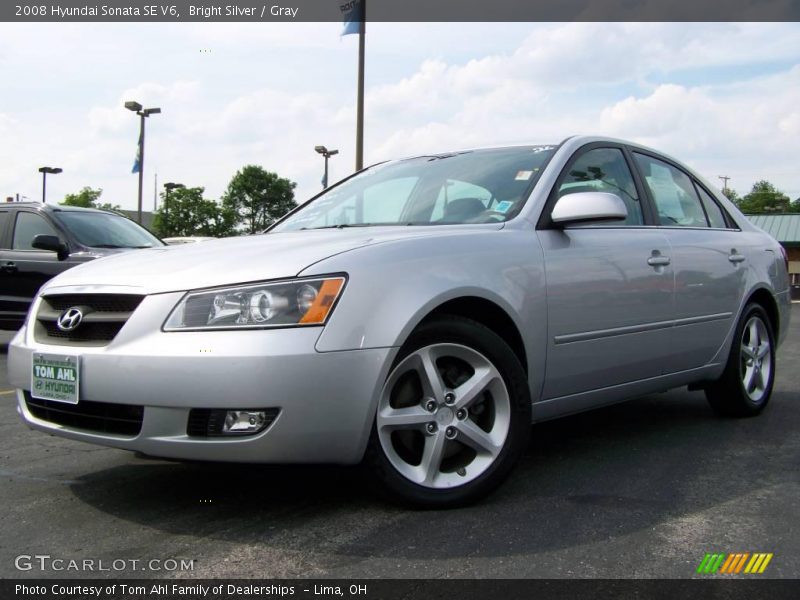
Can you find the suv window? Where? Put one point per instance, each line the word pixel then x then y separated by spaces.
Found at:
pixel 3 221
pixel 28 226
pixel 673 192
pixel 713 211
pixel 604 170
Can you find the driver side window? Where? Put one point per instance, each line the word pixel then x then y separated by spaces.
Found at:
pixel 28 226
pixel 604 170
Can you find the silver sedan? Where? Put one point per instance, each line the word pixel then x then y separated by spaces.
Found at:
pixel 418 316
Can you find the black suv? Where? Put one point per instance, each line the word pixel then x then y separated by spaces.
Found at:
pixel 39 241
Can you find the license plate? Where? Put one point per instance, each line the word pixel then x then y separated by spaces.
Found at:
pixel 55 377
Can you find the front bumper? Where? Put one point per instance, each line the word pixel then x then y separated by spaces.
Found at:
pixel 327 400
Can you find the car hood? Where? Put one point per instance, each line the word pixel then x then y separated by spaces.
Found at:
pixel 237 260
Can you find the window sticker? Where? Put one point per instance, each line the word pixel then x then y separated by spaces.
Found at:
pixel 523 175
pixel 502 207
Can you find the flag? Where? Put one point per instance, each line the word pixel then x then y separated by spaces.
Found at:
pixel 352 12
pixel 137 163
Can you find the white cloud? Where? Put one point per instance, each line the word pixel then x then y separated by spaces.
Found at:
pixel 722 97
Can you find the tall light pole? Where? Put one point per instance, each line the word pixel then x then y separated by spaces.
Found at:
pixel 360 97
pixel 169 186
pixel 143 114
pixel 327 154
pixel 44 171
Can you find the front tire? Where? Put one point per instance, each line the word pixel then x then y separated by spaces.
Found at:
pixel 746 384
pixel 453 417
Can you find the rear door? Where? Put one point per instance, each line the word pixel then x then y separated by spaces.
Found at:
pixel 609 285
pixel 707 258
pixel 6 215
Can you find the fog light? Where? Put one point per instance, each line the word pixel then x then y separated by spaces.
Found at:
pixel 244 421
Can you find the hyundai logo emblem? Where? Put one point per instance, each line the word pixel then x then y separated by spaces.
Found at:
pixel 70 319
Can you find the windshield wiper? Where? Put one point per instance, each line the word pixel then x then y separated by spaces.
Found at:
pixel 339 226
pixel 114 246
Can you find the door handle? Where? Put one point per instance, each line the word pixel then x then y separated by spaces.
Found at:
pixel 735 257
pixel 9 267
pixel 658 260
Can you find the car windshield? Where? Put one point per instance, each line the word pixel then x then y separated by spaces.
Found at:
pixel 106 230
pixel 476 186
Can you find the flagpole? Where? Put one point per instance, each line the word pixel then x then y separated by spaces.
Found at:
pixel 360 99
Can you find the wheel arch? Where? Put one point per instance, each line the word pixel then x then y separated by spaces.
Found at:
pixel 487 313
pixel 766 300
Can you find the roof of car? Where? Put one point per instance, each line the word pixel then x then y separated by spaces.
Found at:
pixel 55 207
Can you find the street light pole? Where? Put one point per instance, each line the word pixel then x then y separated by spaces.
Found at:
pixel 143 114
pixel 44 171
pixel 169 186
pixel 326 154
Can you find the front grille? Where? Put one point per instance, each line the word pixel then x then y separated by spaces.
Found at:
pixel 103 317
pixel 99 417
pixel 208 422
pixel 97 302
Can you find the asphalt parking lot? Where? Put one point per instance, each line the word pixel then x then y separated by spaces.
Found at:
pixel 641 489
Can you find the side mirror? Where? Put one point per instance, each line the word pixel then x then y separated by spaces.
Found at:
pixel 51 243
pixel 588 206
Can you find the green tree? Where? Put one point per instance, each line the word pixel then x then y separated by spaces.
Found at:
pixel 257 198
pixel 88 198
pixel 764 197
pixel 187 213
pixel 731 195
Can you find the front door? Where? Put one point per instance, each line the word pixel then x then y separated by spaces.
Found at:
pixel 610 289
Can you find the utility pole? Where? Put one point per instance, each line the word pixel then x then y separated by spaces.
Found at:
pixel 725 179
pixel 360 100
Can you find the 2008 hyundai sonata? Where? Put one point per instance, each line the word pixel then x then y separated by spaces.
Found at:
pixel 419 316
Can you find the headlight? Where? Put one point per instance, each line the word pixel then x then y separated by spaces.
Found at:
pixel 276 304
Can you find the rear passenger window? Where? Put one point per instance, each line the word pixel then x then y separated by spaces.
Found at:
pixel 3 220
pixel 604 170
pixel 673 192
pixel 713 211
pixel 29 225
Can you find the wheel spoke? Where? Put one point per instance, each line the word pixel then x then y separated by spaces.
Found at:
pixel 753 331
pixel 758 380
pixel 470 390
pixel 749 376
pixel 432 457
pixel 404 418
pixel 429 375
pixel 475 437
pixel 748 351
pixel 762 350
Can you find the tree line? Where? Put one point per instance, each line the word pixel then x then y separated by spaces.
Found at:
pixel 764 197
pixel 254 199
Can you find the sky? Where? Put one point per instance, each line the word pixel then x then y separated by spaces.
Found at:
pixel 723 98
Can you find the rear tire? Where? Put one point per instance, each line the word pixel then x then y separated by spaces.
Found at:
pixel 745 387
pixel 453 417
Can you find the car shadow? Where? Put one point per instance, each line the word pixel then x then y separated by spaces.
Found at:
pixel 589 477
